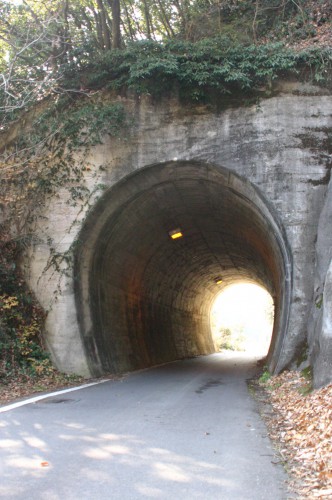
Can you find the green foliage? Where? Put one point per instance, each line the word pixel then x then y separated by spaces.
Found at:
pixel 230 340
pixel 307 373
pixel 307 387
pixel 198 71
pixel 225 340
pixel 85 125
pixel 21 323
pixel 316 64
pixel 319 301
pixel 265 377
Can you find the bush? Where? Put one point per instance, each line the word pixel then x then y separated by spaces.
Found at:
pixel 21 323
pixel 195 69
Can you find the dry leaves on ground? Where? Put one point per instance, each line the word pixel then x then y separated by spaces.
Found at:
pixel 21 385
pixel 302 429
pixel 322 38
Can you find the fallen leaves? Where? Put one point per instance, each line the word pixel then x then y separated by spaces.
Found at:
pixel 301 426
pixel 306 32
pixel 21 385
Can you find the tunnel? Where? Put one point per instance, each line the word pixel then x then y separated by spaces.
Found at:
pixel 157 249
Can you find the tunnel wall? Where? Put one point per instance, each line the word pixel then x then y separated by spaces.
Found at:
pixel 280 147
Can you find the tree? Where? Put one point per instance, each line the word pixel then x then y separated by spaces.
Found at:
pixel 39 40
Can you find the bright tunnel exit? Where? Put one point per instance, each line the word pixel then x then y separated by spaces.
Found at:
pixel 242 319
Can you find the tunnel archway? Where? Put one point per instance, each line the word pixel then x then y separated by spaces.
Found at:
pixel 144 298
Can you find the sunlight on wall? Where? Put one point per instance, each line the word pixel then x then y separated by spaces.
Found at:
pixel 242 319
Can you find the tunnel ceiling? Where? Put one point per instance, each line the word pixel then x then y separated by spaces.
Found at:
pixel 150 296
pixel 222 237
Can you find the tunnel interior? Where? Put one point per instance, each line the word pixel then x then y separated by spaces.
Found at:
pixel 144 298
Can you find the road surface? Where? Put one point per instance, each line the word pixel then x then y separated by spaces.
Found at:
pixel 184 430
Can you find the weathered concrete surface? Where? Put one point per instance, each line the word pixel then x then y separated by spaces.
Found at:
pixel 320 321
pixel 281 148
pixel 183 430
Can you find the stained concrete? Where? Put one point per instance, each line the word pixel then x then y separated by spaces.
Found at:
pixel 127 287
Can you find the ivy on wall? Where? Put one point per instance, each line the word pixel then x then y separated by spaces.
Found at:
pixel 36 165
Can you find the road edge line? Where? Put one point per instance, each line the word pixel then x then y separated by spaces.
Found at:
pixel 35 399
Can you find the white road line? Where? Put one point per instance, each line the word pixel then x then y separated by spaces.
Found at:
pixel 13 406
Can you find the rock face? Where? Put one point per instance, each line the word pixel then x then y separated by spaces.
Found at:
pixel 320 321
pixel 247 186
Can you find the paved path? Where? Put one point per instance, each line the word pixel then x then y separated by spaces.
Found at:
pixel 184 430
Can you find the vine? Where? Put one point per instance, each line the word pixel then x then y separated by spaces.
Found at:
pixel 36 165
pixel 41 160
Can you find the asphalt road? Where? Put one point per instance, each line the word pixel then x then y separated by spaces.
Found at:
pixel 189 429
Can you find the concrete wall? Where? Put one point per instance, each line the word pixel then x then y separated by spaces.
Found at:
pixel 281 147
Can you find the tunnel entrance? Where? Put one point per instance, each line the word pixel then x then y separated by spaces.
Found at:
pixel 242 318
pixel 151 256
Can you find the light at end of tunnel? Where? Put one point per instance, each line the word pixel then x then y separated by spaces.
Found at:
pixel 175 234
pixel 218 281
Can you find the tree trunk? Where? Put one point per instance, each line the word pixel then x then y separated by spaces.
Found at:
pixel 116 20
pixel 130 28
pixel 104 27
pixel 147 19
pixel 165 21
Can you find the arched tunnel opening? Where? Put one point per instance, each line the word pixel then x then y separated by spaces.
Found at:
pixel 144 298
